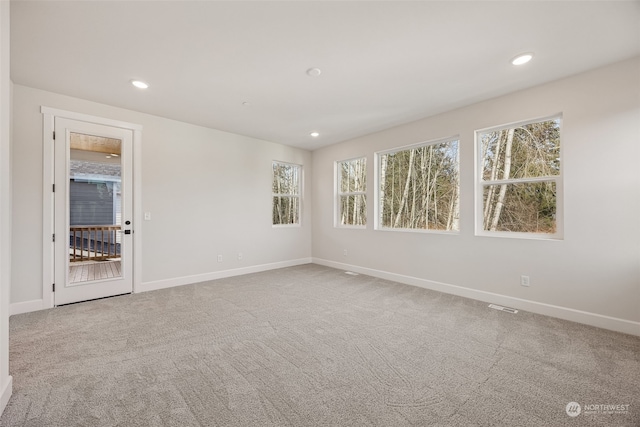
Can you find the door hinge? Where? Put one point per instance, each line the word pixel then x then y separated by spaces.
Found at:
pixel 53 236
pixel 54 135
pixel 54 287
pixel 53 188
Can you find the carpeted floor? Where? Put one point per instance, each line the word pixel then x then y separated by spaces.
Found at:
pixel 313 346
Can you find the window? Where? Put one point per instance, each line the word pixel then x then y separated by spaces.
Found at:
pixel 286 193
pixel 352 185
pixel 419 187
pixel 519 171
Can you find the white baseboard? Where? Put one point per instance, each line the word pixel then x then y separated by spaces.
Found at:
pixel 26 306
pixel 197 278
pixel 592 319
pixel 35 305
pixel 7 390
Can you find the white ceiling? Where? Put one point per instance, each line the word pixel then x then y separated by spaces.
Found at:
pixel 383 63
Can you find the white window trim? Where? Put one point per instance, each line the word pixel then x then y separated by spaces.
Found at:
pixel 377 178
pixel 480 184
pixel 337 194
pixel 299 195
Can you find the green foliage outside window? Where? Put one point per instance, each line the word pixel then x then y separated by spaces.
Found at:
pixel 520 171
pixel 420 188
pixel 286 193
pixel 352 185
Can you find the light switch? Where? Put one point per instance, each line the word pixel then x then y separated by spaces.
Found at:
pixel 147 216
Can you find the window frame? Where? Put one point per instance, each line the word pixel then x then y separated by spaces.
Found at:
pixel 378 179
pixel 480 184
pixel 338 194
pixel 298 196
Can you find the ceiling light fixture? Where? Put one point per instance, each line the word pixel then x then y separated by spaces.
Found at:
pixel 522 59
pixel 314 72
pixel 139 84
pixel 314 134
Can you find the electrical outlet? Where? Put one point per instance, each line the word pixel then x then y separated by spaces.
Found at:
pixel 345 252
pixel 239 256
pixel 524 280
pixel 219 258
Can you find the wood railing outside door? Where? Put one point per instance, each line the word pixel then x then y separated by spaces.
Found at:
pixel 93 242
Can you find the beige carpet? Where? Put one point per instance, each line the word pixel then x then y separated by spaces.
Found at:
pixel 313 346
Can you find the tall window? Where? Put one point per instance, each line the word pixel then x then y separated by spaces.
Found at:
pixel 286 193
pixel 352 185
pixel 520 177
pixel 419 187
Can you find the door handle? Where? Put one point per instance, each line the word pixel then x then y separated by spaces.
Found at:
pixel 127 231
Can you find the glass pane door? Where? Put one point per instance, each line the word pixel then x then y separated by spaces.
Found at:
pixel 93 202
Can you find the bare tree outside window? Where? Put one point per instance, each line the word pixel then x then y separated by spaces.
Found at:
pixel 520 174
pixel 352 186
pixel 420 187
pixel 286 193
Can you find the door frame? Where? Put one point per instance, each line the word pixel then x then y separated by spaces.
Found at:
pixel 48 226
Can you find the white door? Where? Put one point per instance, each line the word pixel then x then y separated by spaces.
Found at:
pixel 93 211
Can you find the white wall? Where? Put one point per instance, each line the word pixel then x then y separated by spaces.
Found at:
pixel 209 193
pixel 5 204
pixel 592 276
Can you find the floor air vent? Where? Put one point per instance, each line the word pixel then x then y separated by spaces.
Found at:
pixel 501 308
pixel 351 273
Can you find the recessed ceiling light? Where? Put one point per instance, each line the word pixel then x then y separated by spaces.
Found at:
pixel 314 134
pixel 522 59
pixel 139 84
pixel 314 72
